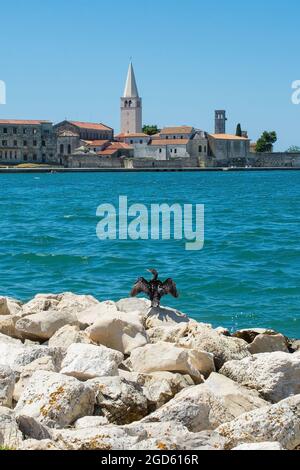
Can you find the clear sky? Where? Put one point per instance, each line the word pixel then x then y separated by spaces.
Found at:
pixel 69 59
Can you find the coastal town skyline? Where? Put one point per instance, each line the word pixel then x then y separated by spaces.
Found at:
pixel 197 59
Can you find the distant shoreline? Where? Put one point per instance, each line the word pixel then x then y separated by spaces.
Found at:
pixel 139 170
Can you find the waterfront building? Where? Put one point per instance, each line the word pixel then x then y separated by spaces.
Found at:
pixel 27 141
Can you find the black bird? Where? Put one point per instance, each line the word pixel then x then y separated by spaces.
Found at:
pixel 154 289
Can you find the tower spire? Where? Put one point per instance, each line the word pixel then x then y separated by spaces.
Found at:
pixel 131 90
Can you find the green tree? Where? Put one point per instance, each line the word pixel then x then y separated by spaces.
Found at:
pixel 151 130
pixel 266 141
pixel 293 149
pixel 238 130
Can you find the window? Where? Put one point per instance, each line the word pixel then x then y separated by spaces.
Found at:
pixel 16 155
pixel 25 157
pixel 167 136
pixel 24 143
pixel 43 143
pixel 15 130
pixel 200 148
pixel 131 141
pixel 34 143
pixel 159 150
pixel 24 130
pixel 175 150
pixel 5 130
pixel 10 155
pixel 174 136
pixel 141 141
pixel 171 150
pixel 4 143
pixel 44 158
pixel 34 157
pixel 69 149
pixel 5 154
pixel 15 143
pixel 61 148
pixel 205 148
pixel 1 154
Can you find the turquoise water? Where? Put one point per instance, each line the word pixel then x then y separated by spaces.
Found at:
pixel 248 273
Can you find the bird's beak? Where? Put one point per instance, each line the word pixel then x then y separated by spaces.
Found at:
pixel 149 270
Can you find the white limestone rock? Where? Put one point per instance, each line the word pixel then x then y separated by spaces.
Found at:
pixel 91 422
pixel 168 357
pixel 68 335
pixel 203 337
pixel 64 303
pixel 43 325
pixel 9 306
pixel 89 316
pixel 274 423
pixel 86 361
pixel 17 356
pixel 165 316
pixel 206 406
pixel 134 304
pixel 268 343
pixel 43 445
pixel 8 326
pixel 119 400
pixel 55 400
pixel 274 375
pixel 121 331
pixel 10 436
pixel 260 446
pixel 7 384
pixel 42 363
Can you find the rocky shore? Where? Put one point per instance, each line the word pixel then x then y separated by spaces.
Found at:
pixel 79 374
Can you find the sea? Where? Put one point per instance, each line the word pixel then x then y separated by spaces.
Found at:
pixel 247 274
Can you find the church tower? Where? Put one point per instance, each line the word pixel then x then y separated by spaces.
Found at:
pixel 131 106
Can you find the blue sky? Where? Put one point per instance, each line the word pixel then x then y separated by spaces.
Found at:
pixel 68 59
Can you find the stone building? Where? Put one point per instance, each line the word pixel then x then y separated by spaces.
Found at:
pixel 73 134
pixel 27 141
pixel 228 150
pixel 131 106
pixel 220 121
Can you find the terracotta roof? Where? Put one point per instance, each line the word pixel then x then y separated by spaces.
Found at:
pixel 227 137
pixel 120 145
pixel 107 152
pixel 26 121
pixel 90 125
pixel 177 130
pixel 127 136
pixel 96 143
pixel 66 133
pixel 162 142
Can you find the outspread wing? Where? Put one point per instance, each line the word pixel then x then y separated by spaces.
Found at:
pixel 141 285
pixel 169 287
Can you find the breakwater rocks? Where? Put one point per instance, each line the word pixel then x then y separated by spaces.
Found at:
pixel 79 374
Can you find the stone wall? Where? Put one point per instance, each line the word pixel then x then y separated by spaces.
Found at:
pixel 275 159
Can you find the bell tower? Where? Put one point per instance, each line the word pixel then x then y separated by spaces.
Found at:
pixel 131 106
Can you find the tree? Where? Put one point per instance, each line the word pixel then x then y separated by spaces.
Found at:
pixel 293 149
pixel 266 141
pixel 151 130
pixel 238 130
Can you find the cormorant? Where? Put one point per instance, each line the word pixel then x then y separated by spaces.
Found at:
pixel 154 289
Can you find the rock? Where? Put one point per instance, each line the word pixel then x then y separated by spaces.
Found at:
pixel 68 335
pixel 41 326
pixel 249 335
pixel 206 406
pixel 9 306
pixel 42 363
pixel 274 375
pixel 168 357
pixel 8 326
pixel 119 400
pixel 268 343
pixel 4 339
pixel 120 331
pixel 64 303
pixel 260 446
pixel 32 428
pixel 202 337
pixel 7 384
pixel 273 423
pixel 17 356
pixel 222 331
pixel 89 316
pixel 162 316
pixel 134 305
pixel 91 422
pixel 55 400
pixel 10 436
pixel 295 345
pixel 33 444
pixel 86 361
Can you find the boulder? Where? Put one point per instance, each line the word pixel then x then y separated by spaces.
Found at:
pixel 64 303
pixel 202 337
pixel 89 316
pixel 295 345
pixel 10 436
pixel 91 422
pixel 32 428
pixel 8 326
pixel 260 446
pixel 274 375
pixel 42 326
pixel 42 363
pixel 163 316
pixel 268 343
pixel 249 335
pixel 121 331
pixel 86 361
pixel 33 444
pixel 134 304
pixel 68 335
pixel 119 400
pixel 55 400
pixel 9 306
pixel 274 423
pixel 7 384
pixel 206 406
pixel 168 357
